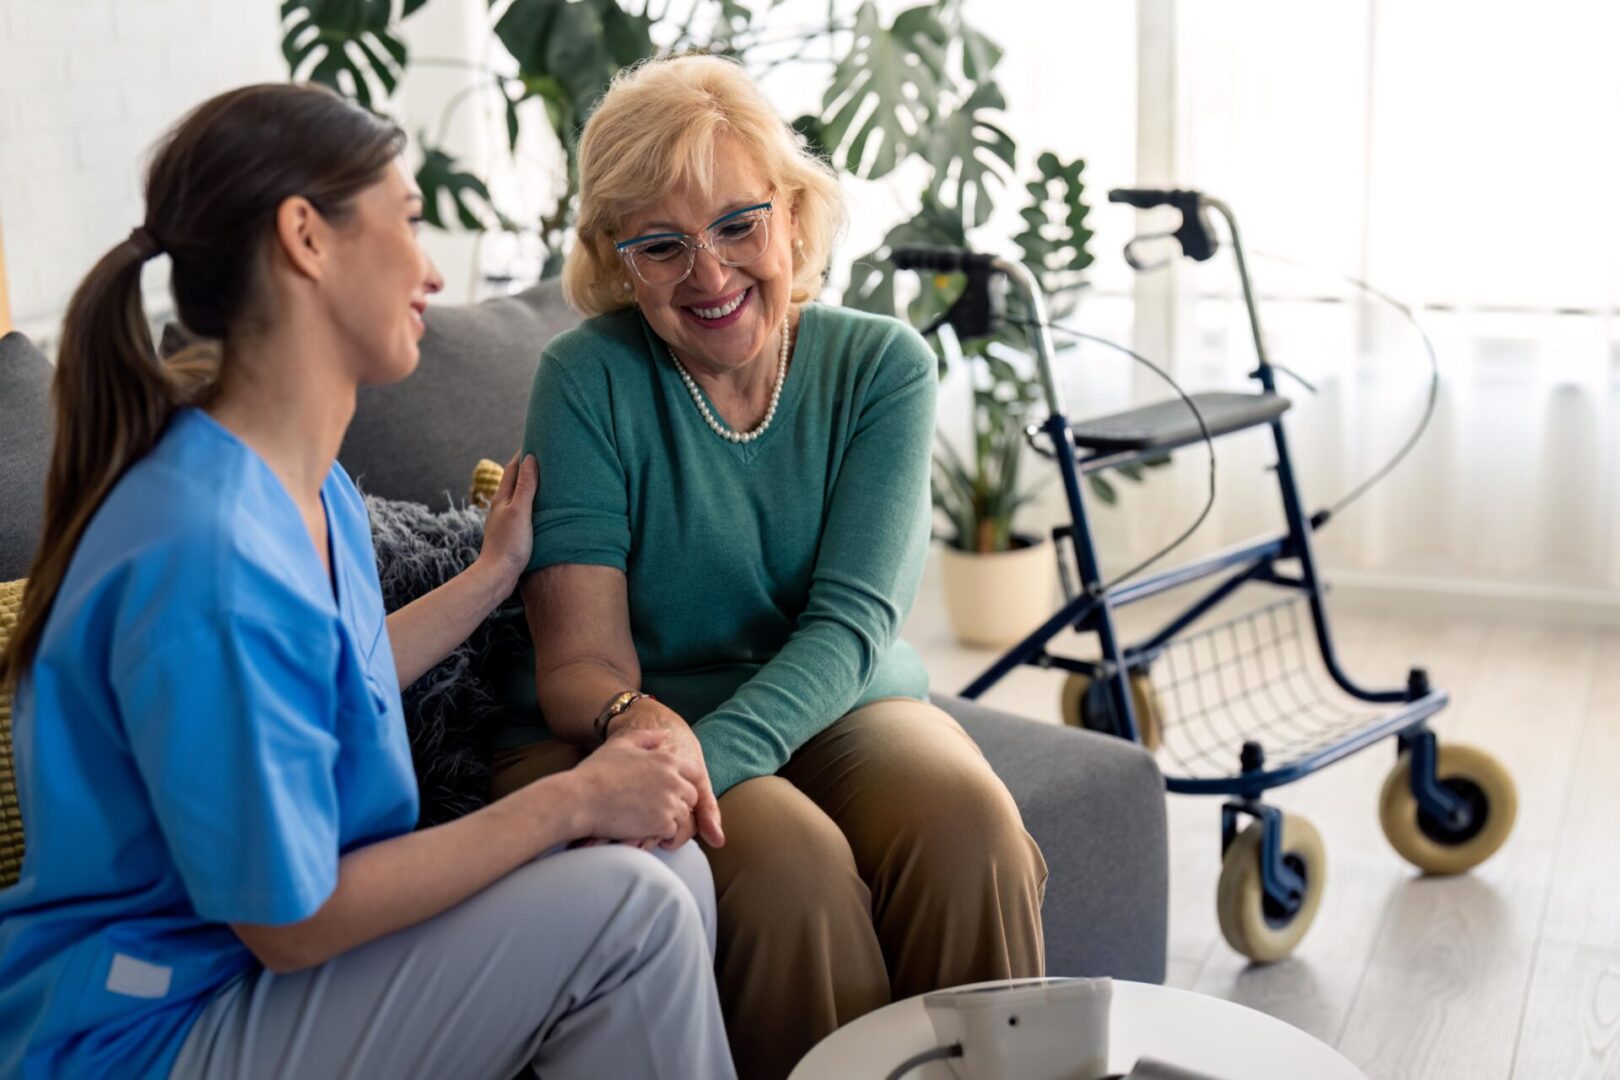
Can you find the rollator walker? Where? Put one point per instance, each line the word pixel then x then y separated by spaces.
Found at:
pixel 1237 708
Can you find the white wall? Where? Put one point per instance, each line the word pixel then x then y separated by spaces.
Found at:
pixel 86 86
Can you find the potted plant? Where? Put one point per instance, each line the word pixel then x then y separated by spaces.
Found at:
pixel 999 582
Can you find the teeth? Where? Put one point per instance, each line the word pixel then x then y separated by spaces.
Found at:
pixel 722 312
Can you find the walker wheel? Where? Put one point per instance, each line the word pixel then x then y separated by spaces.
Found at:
pixel 1074 693
pixel 1437 847
pixel 1253 923
pixel 1084 707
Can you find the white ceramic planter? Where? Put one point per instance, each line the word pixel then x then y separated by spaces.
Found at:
pixel 995 600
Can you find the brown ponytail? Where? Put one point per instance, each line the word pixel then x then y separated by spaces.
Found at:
pixel 213 190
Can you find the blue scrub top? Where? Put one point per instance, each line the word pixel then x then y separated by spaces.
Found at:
pixel 205 730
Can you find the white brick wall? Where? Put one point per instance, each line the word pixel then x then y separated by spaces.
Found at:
pixel 86 86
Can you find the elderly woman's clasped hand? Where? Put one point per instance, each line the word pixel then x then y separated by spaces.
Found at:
pixel 648 719
pixel 637 788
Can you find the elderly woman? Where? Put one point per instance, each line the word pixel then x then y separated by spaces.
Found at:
pixel 730 527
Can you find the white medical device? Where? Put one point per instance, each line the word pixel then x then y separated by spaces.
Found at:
pixel 1038 1029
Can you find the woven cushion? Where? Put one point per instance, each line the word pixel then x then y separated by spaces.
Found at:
pixel 11 835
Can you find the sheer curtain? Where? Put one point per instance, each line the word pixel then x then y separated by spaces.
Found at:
pixel 1460 156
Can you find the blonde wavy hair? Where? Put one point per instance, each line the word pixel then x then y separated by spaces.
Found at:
pixel 656 130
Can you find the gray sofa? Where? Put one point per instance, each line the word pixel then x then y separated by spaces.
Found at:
pixel 1094 804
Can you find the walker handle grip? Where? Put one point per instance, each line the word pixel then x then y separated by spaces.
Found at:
pixel 1195 234
pixel 939 260
pixel 1141 198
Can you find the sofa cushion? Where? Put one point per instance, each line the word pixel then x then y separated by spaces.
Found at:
pixel 419 439
pixel 25 451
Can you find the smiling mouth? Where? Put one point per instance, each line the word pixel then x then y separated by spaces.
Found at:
pixel 720 311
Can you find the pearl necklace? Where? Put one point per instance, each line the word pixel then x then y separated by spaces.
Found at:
pixel 770 413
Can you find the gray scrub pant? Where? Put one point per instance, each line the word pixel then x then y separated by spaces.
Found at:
pixel 595 962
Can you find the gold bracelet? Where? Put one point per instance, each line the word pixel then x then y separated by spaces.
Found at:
pixel 616 707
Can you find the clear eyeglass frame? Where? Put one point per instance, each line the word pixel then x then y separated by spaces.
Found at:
pixel 639 252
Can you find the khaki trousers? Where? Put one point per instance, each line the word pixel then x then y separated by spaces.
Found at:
pixel 884 860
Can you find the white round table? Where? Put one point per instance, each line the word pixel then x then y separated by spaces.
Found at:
pixel 1174 1026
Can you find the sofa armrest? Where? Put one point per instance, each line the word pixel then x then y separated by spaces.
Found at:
pixel 1095 805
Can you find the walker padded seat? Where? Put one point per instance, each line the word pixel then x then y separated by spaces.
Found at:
pixel 1167 425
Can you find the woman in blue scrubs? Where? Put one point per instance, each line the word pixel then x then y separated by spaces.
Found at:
pixel 221 875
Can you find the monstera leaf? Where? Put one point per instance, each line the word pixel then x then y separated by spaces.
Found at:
pixel 871 277
pixel 731 18
pixel 980 55
pixel 440 177
pixel 879 107
pixel 1055 235
pixel 569 50
pixel 968 151
pixel 324 39
pixel 567 53
pixel 814 133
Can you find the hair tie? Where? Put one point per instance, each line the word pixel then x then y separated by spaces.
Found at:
pixel 145 243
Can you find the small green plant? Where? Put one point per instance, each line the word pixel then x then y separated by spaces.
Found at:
pixel 979 500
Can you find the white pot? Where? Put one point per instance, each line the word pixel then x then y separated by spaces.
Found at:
pixel 995 600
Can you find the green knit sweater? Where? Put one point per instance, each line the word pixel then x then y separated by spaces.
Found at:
pixel 767 581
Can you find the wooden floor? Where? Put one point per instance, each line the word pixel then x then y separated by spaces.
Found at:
pixel 1512 970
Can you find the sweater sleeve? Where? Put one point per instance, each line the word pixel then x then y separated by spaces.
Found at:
pixel 581 514
pixel 874 539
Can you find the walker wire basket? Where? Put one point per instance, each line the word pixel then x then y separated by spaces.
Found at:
pixel 1250 680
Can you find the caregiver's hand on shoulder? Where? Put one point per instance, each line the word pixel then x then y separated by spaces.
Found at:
pixel 509 526
pixel 634 788
pixel 425 631
pixel 650 716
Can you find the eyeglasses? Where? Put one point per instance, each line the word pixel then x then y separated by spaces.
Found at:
pixel 666 258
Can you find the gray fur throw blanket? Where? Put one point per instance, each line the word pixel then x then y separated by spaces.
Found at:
pixel 452 711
